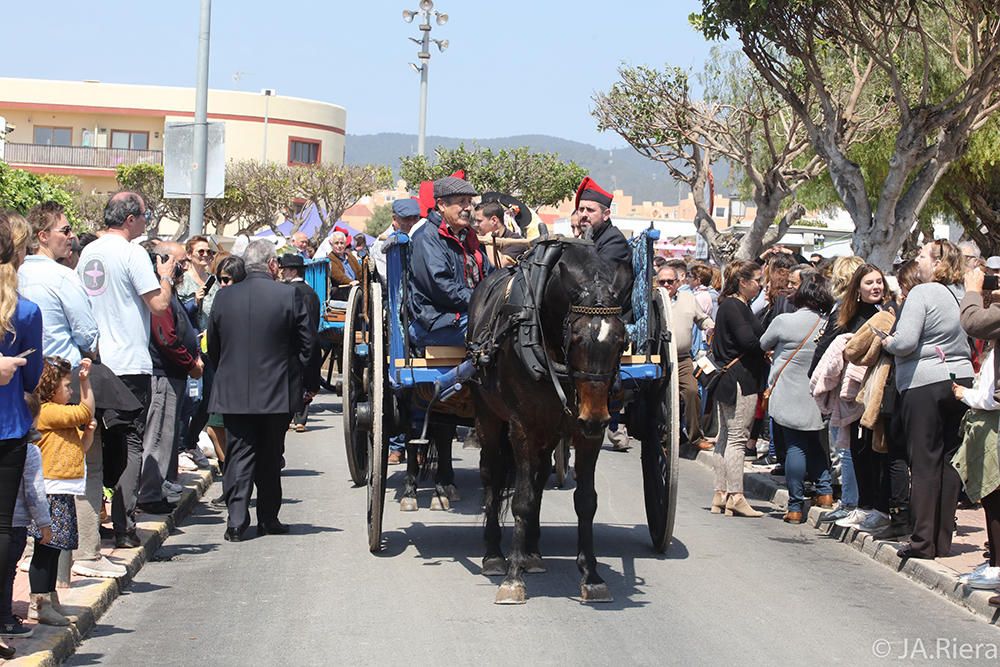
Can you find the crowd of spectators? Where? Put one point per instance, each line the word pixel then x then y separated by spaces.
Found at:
pixel 875 390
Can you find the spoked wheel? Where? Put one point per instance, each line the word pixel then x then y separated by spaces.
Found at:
pixel 358 409
pixel 660 407
pixel 328 368
pixel 561 465
pixel 379 441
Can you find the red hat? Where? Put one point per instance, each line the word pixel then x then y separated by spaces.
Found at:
pixel 425 197
pixel 591 191
pixel 459 174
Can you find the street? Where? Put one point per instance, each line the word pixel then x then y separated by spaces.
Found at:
pixel 729 591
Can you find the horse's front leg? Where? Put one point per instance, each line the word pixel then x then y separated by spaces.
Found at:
pixel 493 466
pixel 512 590
pixel 542 469
pixel 408 502
pixel 592 587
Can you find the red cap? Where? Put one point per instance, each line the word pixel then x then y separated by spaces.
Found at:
pixel 591 191
pixel 459 174
pixel 425 197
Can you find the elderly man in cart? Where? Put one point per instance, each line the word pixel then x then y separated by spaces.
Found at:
pixel 447 263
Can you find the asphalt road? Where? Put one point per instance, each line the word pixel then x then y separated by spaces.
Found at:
pixel 729 591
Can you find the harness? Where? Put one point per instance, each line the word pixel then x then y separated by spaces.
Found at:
pixel 519 315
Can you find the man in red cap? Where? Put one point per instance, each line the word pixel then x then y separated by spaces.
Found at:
pixel 593 209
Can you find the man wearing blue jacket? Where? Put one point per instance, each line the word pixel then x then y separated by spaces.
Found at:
pixel 447 264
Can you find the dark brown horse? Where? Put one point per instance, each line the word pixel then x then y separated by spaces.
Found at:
pixel 523 412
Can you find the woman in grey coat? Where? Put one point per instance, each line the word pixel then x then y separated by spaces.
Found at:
pixel 796 416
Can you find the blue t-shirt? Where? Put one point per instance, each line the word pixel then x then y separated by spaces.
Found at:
pixel 15 420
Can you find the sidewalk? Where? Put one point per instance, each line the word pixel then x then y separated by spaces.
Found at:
pixel 939 575
pixel 89 598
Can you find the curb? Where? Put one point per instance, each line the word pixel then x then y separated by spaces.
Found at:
pixel 50 646
pixel 928 573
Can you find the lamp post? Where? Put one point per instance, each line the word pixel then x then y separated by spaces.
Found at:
pixel 199 173
pixel 426 7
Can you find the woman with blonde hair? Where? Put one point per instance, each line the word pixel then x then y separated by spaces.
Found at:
pixel 20 337
pixel 842 271
pixel 932 352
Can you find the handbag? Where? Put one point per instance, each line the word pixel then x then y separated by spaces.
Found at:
pixel 766 397
pixel 714 380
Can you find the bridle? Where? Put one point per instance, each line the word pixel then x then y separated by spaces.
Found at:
pixel 560 373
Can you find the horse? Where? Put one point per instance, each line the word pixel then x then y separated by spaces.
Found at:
pixel 521 414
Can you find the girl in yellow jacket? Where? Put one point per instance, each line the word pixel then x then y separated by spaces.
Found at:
pixel 67 432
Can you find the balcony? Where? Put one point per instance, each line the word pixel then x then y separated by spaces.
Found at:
pixel 78 156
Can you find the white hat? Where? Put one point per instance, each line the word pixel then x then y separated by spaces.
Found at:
pixel 993 263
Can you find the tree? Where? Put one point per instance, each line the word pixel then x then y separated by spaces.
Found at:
pixel 146 180
pixel 332 189
pixel 740 119
pixel 538 179
pixel 380 220
pixel 21 191
pixel 935 63
pixel 266 189
pixel 971 190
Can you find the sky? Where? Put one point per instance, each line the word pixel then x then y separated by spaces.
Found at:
pixel 514 67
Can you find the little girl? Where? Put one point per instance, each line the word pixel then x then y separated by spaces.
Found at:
pixel 67 433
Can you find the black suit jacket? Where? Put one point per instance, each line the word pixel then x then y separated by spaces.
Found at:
pixel 260 339
pixel 311 302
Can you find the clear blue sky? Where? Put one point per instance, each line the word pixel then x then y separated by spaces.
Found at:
pixel 515 67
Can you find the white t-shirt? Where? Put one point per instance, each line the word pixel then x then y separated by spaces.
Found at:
pixel 115 275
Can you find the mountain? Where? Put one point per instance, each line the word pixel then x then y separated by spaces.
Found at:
pixel 622 168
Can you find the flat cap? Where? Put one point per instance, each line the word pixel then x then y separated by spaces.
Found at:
pixel 406 208
pixel 449 186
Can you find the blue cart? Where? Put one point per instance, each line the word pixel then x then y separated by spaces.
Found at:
pixel 396 386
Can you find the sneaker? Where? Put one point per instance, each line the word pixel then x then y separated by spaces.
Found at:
pixel 766 460
pixel 875 522
pixel 186 463
pixel 988 579
pixel 853 520
pixel 101 568
pixel 619 440
pixel 200 459
pixel 171 487
pixel 13 628
pixel 836 515
pixel 964 579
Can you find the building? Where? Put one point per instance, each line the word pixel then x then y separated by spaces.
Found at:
pixel 87 128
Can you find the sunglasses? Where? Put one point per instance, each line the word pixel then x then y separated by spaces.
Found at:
pixel 225 280
pixel 204 252
pixel 59 363
pixel 67 230
pixel 666 281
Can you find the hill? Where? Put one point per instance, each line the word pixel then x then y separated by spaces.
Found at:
pixel 622 168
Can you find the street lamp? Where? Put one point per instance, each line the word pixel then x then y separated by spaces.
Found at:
pixel 426 8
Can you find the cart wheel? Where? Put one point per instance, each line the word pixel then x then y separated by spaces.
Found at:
pixel 379 443
pixel 660 405
pixel 329 364
pixel 356 426
pixel 561 467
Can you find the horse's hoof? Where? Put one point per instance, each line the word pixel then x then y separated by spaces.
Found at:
pixel 494 566
pixel 595 593
pixel 534 565
pixel 440 503
pixel 408 504
pixel 511 594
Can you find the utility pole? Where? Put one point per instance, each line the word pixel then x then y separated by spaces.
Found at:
pixel 199 173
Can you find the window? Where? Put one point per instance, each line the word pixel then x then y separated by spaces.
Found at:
pixel 129 139
pixel 303 151
pixel 720 212
pixel 53 136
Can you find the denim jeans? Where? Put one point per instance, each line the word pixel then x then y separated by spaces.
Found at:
pixel 804 457
pixel 848 481
pixel 397 443
pixel 453 334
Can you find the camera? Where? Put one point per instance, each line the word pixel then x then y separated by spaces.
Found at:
pixel 991 283
pixel 153 255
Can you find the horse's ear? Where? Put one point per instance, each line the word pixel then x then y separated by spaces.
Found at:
pixel 622 285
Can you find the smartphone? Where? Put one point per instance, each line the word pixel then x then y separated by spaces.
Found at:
pixel 878 332
pixel 209 282
pixel 991 283
pixel 27 353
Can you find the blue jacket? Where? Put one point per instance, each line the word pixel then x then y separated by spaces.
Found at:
pixel 15 420
pixel 438 291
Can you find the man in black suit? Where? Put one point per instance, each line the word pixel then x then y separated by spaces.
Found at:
pixel 293 272
pixel 260 340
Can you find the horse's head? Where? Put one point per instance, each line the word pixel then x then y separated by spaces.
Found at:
pixel 586 317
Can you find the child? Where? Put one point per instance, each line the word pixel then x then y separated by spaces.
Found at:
pixel 32 505
pixel 67 433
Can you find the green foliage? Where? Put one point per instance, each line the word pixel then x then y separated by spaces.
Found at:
pixel 538 179
pixel 21 191
pixel 380 220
